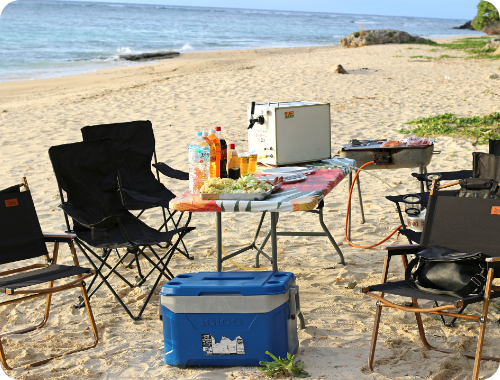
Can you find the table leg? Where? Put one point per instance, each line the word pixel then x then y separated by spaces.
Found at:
pixel 361 200
pixel 274 240
pixel 421 171
pixel 218 227
pixel 330 237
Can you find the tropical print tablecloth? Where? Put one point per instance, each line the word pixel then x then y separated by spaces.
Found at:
pixel 300 196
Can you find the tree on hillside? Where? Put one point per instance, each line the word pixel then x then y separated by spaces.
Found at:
pixel 486 14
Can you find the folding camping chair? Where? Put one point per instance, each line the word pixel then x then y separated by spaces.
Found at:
pixel 484 165
pixel 88 174
pixel 134 147
pixel 462 224
pixel 21 238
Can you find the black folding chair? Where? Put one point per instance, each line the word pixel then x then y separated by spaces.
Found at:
pixel 87 172
pixel 21 238
pixel 134 147
pixel 484 165
pixel 462 224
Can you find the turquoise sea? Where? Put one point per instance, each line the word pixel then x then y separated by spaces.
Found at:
pixel 44 38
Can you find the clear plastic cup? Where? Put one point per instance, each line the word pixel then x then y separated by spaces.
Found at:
pixel 244 163
pixel 252 165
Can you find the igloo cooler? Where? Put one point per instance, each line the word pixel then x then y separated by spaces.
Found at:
pixel 229 318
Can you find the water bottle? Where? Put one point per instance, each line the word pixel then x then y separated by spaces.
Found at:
pixel 223 152
pixel 199 163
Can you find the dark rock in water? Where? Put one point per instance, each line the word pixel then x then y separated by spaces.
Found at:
pixel 377 37
pixel 150 56
pixel 467 25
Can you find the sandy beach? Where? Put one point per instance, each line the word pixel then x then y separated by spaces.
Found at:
pixel 385 88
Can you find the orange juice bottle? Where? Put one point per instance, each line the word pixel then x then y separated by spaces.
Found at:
pixel 213 156
pixel 216 142
pixel 233 163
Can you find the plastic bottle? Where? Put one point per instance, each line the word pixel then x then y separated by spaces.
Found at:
pixel 213 156
pixel 223 152
pixel 233 163
pixel 199 163
pixel 216 142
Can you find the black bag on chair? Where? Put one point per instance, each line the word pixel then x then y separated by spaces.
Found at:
pixel 479 188
pixel 448 272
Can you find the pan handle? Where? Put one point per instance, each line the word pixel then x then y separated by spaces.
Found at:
pixel 436 152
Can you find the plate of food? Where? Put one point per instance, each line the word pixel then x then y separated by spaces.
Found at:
pixel 285 178
pixel 246 188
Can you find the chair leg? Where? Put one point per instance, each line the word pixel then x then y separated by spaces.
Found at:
pixel 3 358
pixel 374 337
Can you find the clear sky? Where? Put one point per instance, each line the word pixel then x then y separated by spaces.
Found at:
pixel 454 9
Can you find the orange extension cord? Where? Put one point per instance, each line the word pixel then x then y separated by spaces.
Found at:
pixel 347 214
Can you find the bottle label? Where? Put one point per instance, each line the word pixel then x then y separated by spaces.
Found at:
pixel 223 154
pixel 198 154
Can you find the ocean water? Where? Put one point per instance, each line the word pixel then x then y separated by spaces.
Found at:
pixel 44 38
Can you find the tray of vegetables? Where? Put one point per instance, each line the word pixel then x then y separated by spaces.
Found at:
pixel 247 188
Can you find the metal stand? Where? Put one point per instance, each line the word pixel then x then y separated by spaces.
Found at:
pixel 360 205
pixel 273 234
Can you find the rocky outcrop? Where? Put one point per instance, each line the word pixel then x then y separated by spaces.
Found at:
pixel 467 25
pixel 377 37
pixel 340 70
pixel 493 28
pixel 150 56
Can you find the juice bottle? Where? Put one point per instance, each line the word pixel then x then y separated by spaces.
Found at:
pixel 213 156
pixel 216 142
pixel 199 163
pixel 233 163
pixel 223 152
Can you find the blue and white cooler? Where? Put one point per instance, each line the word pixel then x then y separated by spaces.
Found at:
pixel 229 318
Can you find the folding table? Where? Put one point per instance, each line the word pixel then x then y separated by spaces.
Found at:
pixel 300 196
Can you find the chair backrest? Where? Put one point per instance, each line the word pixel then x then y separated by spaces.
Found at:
pixel 486 166
pixel 134 146
pixel 494 147
pixel 463 224
pixel 21 237
pixel 88 173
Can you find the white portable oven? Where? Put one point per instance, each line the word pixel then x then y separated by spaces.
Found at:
pixel 290 132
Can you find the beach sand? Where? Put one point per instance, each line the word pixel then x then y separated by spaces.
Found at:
pixel 385 88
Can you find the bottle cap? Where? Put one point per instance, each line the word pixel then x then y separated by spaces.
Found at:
pixel 218 129
pixel 211 131
pixel 205 134
pixel 232 146
pixel 198 134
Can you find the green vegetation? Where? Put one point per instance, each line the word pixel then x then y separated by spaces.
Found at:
pixel 283 366
pixel 473 46
pixel 486 14
pixel 478 128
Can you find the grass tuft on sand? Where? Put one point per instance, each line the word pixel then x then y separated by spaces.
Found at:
pixel 474 46
pixel 477 128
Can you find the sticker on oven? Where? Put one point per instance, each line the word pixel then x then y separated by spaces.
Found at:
pixel 261 135
pixel 224 347
pixel 289 115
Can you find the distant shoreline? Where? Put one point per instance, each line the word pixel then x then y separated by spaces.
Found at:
pixel 117 65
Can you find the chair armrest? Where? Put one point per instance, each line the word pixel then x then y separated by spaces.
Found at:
pixel 65 237
pixel 171 172
pixel 403 249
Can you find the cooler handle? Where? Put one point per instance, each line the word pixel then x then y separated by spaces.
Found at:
pixel 295 305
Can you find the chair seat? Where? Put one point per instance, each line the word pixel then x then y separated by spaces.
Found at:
pixel 401 288
pixel 137 201
pixel 140 233
pixel 39 276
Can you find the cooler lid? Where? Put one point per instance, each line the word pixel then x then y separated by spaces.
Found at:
pixel 229 283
